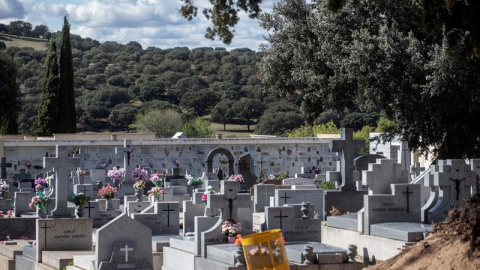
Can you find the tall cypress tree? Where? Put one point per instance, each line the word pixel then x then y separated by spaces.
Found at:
pixel 67 122
pixel 9 95
pixel 48 110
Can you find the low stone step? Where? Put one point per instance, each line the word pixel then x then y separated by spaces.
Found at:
pixel 10 249
pixel 224 253
pixel 60 259
pixel 186 244
pixel 42 266
pixel 24 262
pixel 206 263
pixel 178 259
pixel 85 262
pixel 7 263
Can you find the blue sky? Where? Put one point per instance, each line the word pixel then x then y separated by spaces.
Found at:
pixel 150 22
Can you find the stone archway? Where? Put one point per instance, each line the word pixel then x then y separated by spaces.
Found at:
pixel 222 151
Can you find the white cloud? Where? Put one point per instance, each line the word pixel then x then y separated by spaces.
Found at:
pixel 150 22
pixel 11 9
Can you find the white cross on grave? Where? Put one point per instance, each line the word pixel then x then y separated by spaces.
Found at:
pixel 128 165
pixel 126 249
pixel 61 165
pixel 348 148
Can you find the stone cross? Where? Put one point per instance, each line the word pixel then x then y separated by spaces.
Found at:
pixel 126 150
pixel 348 148
pixel 61 165
pixel 416 169
pixel 4 165
pixel 82 156
pixel 89 207
pixel 261 176
pixel 285 197
pixel 126 249
pixel 228 200
pixel 382 174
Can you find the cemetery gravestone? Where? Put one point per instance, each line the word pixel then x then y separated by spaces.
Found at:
pixel 383 173
pixel 228 201
pixel 63 234
pixel 124 243
pixel 455 181
pixel 246 169
pixel 61 165
pixel 128 165
pixel 262 194
pixel 164 219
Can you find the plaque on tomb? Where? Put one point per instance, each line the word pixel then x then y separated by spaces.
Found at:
pixel 63 234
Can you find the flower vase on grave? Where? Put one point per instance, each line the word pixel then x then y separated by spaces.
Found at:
pixel 231 239
pixel 138 195
pixel 209 212
pixel 41 213
pixel 109 204
pixel 79 211
pixel 81 179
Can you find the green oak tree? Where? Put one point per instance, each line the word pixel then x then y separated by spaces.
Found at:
pixel 9 95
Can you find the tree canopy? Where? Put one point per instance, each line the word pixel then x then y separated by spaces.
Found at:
pixel 9 95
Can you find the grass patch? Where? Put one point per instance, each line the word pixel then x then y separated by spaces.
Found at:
pixel 232 130
pixel 37 44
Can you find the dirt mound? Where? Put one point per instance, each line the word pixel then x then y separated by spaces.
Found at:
pixel 454 244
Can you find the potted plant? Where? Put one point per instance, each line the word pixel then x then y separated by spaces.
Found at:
pixel 139 186
pixel 230 229
pixel 194 181
pixel 80 200
pixel 157 179
pixel 107 193
pixel 116 175
pixel 39 202
pixel 155 192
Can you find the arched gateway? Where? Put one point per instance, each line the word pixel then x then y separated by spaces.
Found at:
pixel 222 151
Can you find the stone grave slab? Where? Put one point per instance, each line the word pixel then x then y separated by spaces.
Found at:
pixel 302 187
pixel 164 220
pixel 190 211
pixel 401 206
pixel 293 229
pixel 161 241
pixel 224 253
pixel 315 197
pixel 63 234
pixel 246 169
pixel 405 231
pixel 124 241
pixel 86 189
pixel 298 181
pixel 347 222
pixel 21 200
pixel 345 201
pixel 294 251
pixel 136 207
pixel 261 197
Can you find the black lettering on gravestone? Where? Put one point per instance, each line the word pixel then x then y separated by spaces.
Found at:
pixel 45 228
pixel 285 197
pixel 4 165
pixel 281 218
pixel 457 186
pixel 89 207
pixel 408 198
pixel 168 214
pixel 126 249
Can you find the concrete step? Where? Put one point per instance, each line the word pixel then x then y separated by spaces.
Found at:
pixel 60 259
pixel 7 263
pixel 24 263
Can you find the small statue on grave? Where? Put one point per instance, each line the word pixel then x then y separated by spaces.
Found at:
pixel 219 173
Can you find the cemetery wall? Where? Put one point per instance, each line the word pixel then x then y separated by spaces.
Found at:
pixel 277 154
